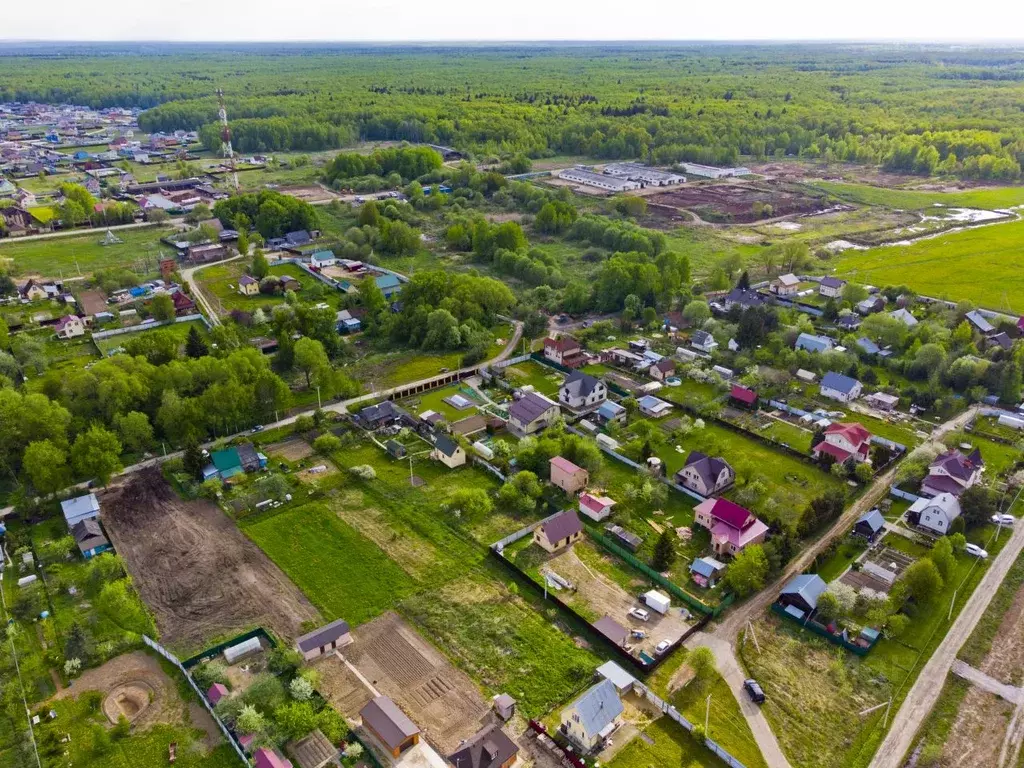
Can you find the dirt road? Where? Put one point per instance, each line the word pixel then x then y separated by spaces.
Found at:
pixel 197 290
pixel 925 691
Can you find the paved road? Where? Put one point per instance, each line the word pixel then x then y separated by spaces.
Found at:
pixel 925 691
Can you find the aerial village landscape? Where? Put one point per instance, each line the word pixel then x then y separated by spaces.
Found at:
pixel 544 423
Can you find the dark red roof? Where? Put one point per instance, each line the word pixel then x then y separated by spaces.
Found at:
pixel 563 344
pixel 833 450
pixel 743 394
pixel 853 432
pixel 732 514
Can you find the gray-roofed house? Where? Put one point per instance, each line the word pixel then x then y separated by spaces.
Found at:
pixel 979 321
pixel 396 449
pixel 1001 340
pixel 80 508
pixel 867 346
pixel 739 297
pixel 849 322
pixel 389 725
pixel 531 413
pixel 324 640
pixel 593 717
pixel 626 538
pixel 705 474
pixel 90 537
pixel 314 750
pixel 812 343
pixel 937 514
pixel 448 452
pixel 904 316
pixel 802 592
pixel 831 287
pixel 489 747
pixel 785 285
pixel 558 531
pixel 871 305
pixel 869 525
pixel 620 678
pixel 703 341
pixel 581 391
pixel 379 415
pixel 836 386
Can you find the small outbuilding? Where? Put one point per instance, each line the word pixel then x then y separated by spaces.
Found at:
pixel 389 725
pixel 314 750
pixel 802 592
pixel 706 571
pixel 324 640
pixel 80 508
pixel 217 692
pixel 612 631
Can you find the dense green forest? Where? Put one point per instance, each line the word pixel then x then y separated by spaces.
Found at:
pixel 924 109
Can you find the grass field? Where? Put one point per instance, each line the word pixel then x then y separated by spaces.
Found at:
pixel 726 723
pixel 980 265
pixel 180 330
pixel 221 281
pixel 665 743
pixel 54 257
pixel 813 687
pixel 983 197
pixel 343 573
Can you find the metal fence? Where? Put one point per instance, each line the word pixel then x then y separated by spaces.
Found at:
pixel 901 494
pixel 822 632
pixel 202 697
pixel 147 326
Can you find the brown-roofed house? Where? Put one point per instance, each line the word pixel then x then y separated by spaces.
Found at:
pixel 558 531
pixel 389 725
pixel 314 750
pixel 488 748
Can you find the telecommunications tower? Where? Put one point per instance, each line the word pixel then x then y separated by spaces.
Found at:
pixel 225 138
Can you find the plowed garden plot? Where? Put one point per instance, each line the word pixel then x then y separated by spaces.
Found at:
pixel 725 203
pixel 194 569
pixel 401 664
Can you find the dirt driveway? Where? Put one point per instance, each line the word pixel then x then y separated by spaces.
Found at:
pixel 198 573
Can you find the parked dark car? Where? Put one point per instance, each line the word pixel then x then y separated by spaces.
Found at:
pixel 754 691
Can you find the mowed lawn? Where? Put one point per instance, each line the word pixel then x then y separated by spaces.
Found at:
pixel 343 573
pixel 83 254
pixel 179 330
pixel 981 265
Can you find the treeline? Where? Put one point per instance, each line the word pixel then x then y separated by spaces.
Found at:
pixel 270 212
pixel 408 162
pixel 278 133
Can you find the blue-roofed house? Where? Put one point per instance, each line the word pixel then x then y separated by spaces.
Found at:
pixel 802 592
pixel 706 571
pixel 976 319
pixel 836 386
pixel 812 343
pixel 593 717
pixel 869 525
pixel 610 412
pixel 868 346
pixel 346 323
pixel 80 508
pixel 653 407
pixel 389 285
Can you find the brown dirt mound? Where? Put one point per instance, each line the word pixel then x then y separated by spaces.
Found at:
pixel 198 573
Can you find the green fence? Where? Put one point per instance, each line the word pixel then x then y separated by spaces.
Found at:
pixel 652 574
pixel 218 649
pixel 822 632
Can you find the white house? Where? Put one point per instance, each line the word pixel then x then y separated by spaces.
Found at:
pixel 580 391
pixel 785 285
pixel 70 326
pixel 703 341
pixel 845 441
pixel 653 407
pixel 322 259
pixel 836 386
pixel 831 287
pixel 936 514
pixel 595 507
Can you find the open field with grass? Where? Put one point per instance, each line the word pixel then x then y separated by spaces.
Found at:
pixel 343 573
pixel 221 283
pixel 980 265
pixel 180 331
pixel 665 743
pixel 816 689
pixel 55 257
pixel 989 198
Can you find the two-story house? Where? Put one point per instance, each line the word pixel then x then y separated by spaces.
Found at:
pixel 705 475
pixel 952 472
pixel 593 717
pixel 531 413
pixel 843 442
pixel 564 350
pixel 581 392
pixel 732 527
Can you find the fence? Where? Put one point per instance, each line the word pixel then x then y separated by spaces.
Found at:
pixel 905 495
pixel 202 697
pixel 488 466
pixel 216 650
pixel 875 439
pixel 147 326
pixel 819 630
pixel 674 714
pixel 503 364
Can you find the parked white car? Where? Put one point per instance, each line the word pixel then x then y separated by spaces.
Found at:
pixel 976 551
pixel 1006 520
pixel 661 647
pixel 640 614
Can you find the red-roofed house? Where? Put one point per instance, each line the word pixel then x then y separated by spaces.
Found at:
pixel 183 304
pixel 743 397
pixel 732 527
pixel 663 369
pixel 267 758
pixel 845 441
pixel 70 326
pixel 564 351
pixel 568 476
pixel 952 472
pixel 217 692
pixel 595 507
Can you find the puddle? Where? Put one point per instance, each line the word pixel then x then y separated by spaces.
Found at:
pixel 843 245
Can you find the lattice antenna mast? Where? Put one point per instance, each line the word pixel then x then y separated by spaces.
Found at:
pixel 225 138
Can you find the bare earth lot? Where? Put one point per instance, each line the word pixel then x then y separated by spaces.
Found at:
pixel 198 573
pixel 292 449
pixel 396 661
pixel 734 202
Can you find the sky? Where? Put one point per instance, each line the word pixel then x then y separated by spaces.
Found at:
pixel 470 20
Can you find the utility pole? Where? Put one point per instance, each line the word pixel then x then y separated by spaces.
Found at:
pixel 707 715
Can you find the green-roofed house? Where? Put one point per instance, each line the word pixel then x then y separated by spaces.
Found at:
pixel 323 258
pixel 234 461
pixel 389 285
